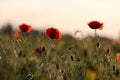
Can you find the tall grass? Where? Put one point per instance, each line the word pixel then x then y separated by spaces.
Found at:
pixel 70 58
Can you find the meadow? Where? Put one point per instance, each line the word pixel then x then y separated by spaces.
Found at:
pixel 34 56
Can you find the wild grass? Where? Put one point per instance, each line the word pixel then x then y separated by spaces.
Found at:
pixel 70 58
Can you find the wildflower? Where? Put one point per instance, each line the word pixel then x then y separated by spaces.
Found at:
pixel 17 34
pixel 118 57
pixel 95 25
pixel 39 50
pixel 25 28
pixel 90 74
pixel 53 33
pixel 118 42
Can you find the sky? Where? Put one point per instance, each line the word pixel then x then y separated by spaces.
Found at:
pixel 66 15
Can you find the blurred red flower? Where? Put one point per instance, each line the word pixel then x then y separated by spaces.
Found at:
pixel 53 33
pixel 39 50
pixel 25 28
pixel 118 57
pixel 95 25
pixel 118 42
pixel 17 34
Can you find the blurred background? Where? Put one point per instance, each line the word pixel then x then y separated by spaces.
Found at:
pixel 67 15
pixel 80 56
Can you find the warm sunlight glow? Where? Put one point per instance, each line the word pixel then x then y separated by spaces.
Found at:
pixel 68 15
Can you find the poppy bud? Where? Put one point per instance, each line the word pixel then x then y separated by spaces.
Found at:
pixel 69 48
pixel 108 50
pixel 29 76
pixel 113 68
pixel 71 57
pixel 57 66
pixel 43 49
pixel 98 45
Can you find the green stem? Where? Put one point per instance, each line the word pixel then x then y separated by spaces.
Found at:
pixel 95 33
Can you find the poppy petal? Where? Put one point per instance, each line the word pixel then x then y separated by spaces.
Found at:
pixel 118 57
pixel 53 33
pixel 95 25
pixel 101 27
pixel 17 34
pixel 25 28
pixel 29 29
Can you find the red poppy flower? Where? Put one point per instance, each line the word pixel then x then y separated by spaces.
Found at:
pixel 95 25
pixel 118 42
pixel 25 28
pixel 39 50
pixel 53 33
pixel 118 57
pixel 17 34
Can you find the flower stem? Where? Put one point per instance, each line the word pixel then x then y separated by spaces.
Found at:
pixel 95 33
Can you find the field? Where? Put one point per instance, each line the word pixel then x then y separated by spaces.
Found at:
pixel 34 56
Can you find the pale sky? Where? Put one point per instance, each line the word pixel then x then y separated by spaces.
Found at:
pixel 66 15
